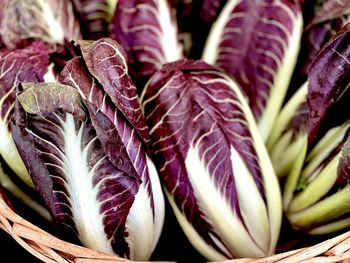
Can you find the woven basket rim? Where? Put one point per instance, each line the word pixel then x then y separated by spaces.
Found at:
pixel 51 249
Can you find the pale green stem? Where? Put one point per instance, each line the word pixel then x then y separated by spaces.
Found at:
pixel 323 211
pixel 318 188
pixel 293 176
pixel 331 227
pixel 286 115
pixel 285 153
pixel 323 148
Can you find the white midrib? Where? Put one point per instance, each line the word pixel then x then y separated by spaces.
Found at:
pixel 83 195
pixel 54 27
pixel 172 50
pixel 226 222
pixel 49 76
pixel 145 229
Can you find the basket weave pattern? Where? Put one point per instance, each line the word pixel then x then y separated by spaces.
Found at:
pixel 49 249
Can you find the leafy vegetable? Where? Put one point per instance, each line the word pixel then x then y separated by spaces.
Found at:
pixel 257 43
pixel 67 162
pixel 214 165
pixel 148 33
pixel 48 20
pixel 317 188
pixel 28 64
pixel 112 93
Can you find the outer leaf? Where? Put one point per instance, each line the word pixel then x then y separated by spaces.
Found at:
pixel 148 33
pixel 29 64
pixel 209 153
pixel 329 84
pixel 48 20
pixel 106 62
pixel 77 75
pixel 95 16
pixel 76 178
pixel 257 43
pixel 44 98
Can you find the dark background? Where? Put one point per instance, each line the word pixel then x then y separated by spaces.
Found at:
pixel 14 252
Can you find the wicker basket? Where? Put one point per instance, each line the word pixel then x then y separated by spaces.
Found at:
pixel 48 248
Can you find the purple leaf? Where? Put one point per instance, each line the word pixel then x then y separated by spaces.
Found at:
pixel 122 143
pixel 20 65
pixel 257 43
pixel 106 62
pixel 114 133
pixel 328 84
pixel 77 75
pixel 147 31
